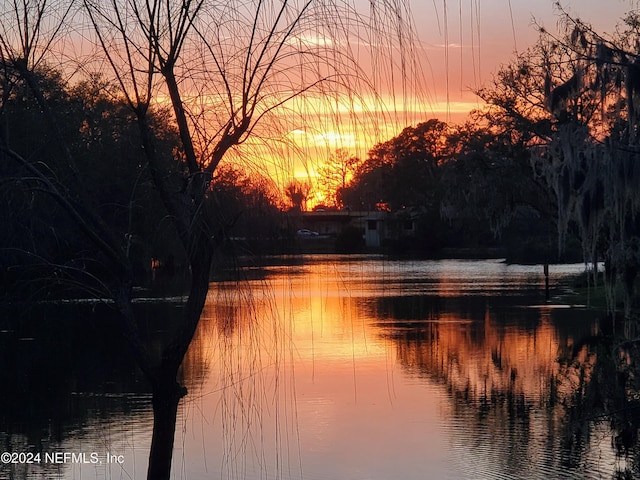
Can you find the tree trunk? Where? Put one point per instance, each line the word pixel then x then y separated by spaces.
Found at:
pixel 166 398
pixel 166 391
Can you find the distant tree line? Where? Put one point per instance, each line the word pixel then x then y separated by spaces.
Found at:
pixel 464 186
pixel 467 185
pixel 40 242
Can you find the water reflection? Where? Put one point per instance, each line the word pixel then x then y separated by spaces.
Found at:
pixel 500 367
pixel 392 358
pixel 67 386
pixel 352 368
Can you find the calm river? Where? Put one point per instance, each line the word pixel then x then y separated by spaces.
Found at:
pixel 358 368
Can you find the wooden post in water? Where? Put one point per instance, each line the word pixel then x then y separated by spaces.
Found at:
pixel 546 281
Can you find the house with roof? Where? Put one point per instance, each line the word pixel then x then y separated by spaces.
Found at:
pixel 376 226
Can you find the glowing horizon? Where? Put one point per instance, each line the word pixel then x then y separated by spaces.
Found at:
pixel 461 48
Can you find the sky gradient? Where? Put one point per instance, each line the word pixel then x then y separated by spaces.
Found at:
pixel 483 34
pixel 463 43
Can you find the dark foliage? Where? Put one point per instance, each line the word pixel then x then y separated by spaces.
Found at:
pixel 42 250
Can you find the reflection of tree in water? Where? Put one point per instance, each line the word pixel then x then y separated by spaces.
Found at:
pixel 70 383
pixel 217 335
pixel 530 386
pixel 239 360
pixel 497 378
pixel 67 382
pixel 602 391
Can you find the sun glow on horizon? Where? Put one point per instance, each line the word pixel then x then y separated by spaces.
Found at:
pixel 299 153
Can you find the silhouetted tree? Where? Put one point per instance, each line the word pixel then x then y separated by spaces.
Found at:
pixel 571 100
pixel 334 176
pixel 491 179
pixel 298 194
pixel 402 172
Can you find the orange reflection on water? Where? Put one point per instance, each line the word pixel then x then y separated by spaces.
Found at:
pixel 481 357
pixel 320 319
pixel 329 368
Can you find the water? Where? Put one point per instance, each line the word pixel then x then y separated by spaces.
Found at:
pixel 337 368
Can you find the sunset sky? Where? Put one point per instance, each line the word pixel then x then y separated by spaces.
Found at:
pixel 483 34
pixel 463 43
